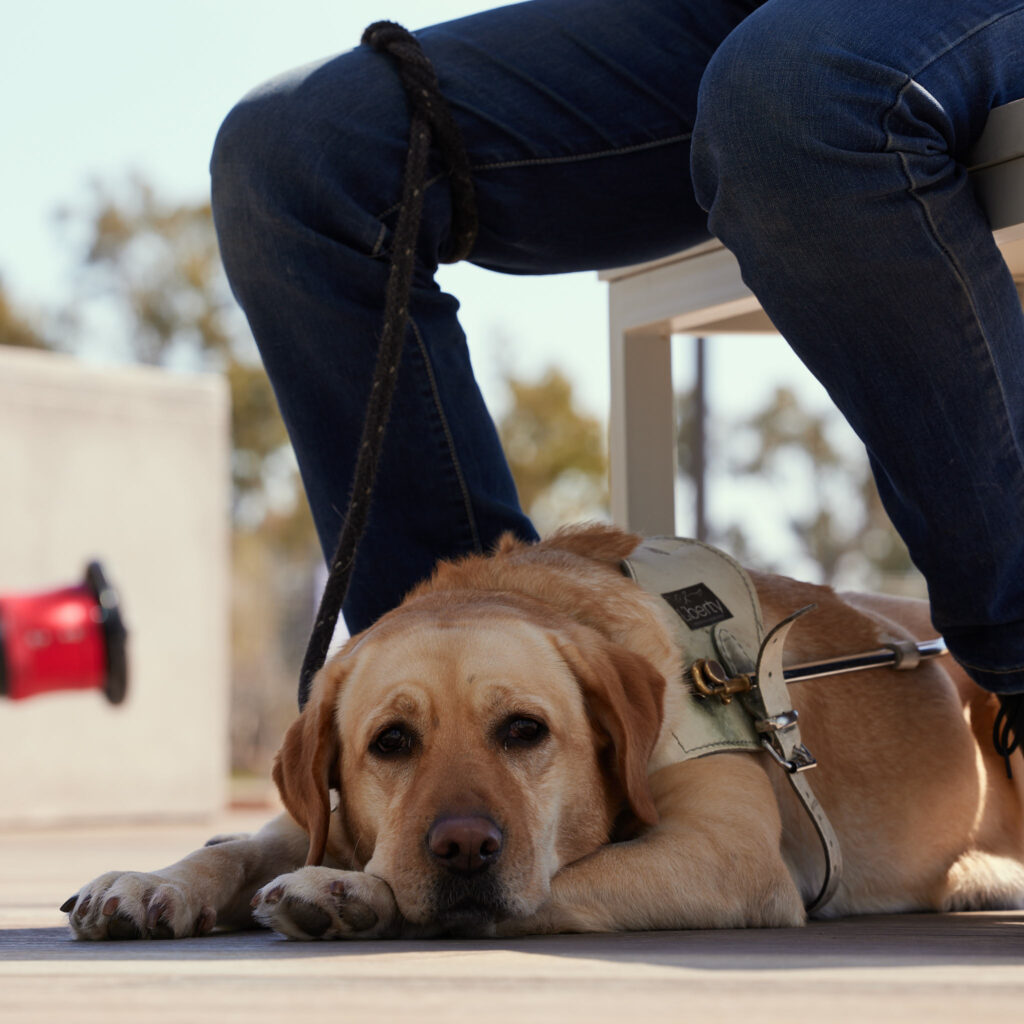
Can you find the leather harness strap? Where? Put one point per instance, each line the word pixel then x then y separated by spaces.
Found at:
pixel 775 719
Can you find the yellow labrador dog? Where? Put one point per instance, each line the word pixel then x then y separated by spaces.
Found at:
pixel 492 758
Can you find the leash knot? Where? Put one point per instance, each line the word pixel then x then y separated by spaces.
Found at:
pixel 423 93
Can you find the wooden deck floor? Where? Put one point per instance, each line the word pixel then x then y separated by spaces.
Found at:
pixel 961 967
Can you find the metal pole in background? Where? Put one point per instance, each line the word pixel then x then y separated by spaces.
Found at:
pixel 700 441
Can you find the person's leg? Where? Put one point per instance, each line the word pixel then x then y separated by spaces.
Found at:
pixel 576 115
pixel 830 152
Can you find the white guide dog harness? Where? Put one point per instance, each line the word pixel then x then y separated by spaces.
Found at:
pixel 718 626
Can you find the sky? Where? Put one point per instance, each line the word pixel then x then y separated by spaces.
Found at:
pixel 101 89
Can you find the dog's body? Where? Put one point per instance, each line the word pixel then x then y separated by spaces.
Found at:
pixel 503 763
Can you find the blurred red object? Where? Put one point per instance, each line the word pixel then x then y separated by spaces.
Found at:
pixel 68 639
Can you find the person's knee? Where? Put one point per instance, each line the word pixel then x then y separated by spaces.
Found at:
pixel 751 124
pixel 265 150
pixel 305 148
pixel 255 172
pixel 785 115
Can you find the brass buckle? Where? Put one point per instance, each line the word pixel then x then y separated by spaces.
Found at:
pixel 710 680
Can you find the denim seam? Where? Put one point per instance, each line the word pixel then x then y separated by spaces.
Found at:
pixel 891 147
pixel 967 35
pixel 548 160
pixel 990 671
pixel 578 157
pixel 449 440
pixel 1009 446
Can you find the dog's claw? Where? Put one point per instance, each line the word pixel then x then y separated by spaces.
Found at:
pixel 274 896
pixel 110 907
pixel 158 924
pixel 69 904
pixel 356 914
pixel 154 912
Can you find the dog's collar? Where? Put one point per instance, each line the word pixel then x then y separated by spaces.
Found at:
pixel 717 616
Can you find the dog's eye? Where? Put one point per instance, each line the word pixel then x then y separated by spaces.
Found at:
pixel 523 732
pixel 393 740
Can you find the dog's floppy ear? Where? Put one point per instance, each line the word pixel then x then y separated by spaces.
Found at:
pixel 624 695
pixel 307 765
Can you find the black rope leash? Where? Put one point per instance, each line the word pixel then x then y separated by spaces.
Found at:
pixel 429 120
pixel 1008 728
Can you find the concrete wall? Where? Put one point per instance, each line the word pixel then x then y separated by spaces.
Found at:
pixel 130 466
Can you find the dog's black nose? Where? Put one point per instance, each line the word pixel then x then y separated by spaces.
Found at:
pixel 465 844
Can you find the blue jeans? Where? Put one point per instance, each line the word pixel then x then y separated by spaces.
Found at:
pixel 826 141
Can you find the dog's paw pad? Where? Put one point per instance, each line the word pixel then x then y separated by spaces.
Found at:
pixel 121 927
pixel 322 903
pixel 307 917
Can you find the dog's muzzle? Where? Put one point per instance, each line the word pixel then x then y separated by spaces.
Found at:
pixel 467 896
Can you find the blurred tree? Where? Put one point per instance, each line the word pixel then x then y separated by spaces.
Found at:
pixel 153 267
pixel 158 264
pixel 272 608
pixel 16 328
pixel 156 267
pixel 845 529
pixel 556 452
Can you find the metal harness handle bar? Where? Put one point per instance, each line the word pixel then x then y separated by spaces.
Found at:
pixel 711 680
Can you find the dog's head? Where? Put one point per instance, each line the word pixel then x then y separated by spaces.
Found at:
pixel 479 743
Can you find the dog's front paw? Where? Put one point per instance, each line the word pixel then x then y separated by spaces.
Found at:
pixel 132 905
pixel 322 903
